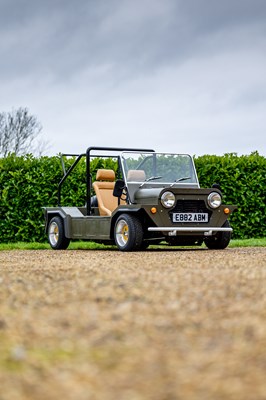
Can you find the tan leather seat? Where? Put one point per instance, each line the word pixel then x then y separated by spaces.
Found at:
pixel 104 191
pixel 136 175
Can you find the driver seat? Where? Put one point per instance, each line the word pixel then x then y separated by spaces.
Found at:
pixel 104 187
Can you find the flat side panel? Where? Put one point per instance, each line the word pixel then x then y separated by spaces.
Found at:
pixel 91 227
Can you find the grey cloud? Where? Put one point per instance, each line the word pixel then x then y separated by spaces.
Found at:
pixel 62 38
pixel 192 66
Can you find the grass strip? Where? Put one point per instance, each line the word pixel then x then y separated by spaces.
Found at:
pixel 85 245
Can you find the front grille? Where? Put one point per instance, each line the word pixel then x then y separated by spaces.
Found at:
pixel 194 206
pixel 190 206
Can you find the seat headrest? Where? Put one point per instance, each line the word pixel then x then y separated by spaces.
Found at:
pixel 136 175
pixel 105 175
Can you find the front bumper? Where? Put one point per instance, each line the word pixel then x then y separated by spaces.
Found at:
pixel 207 231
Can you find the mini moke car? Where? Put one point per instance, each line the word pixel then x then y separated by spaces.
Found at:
pixel 153 198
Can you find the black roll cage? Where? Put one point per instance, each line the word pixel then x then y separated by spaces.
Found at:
pixel 88 155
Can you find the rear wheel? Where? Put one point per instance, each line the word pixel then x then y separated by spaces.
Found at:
pixel 220 240
pixel 128 233
pixel 56 234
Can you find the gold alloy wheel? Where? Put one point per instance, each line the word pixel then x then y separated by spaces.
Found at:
pixel 53 233
pixel 122 233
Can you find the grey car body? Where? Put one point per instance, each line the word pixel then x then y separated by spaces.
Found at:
pixel 154 198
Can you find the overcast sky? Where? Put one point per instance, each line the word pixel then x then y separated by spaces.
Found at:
pixel 176 75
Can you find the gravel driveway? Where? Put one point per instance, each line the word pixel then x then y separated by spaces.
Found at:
pixel 154 325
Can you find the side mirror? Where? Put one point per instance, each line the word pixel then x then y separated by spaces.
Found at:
pixel 217 186
pixel 119 187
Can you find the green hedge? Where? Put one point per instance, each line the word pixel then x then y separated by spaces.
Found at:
pixel 243 182
pixel 27 184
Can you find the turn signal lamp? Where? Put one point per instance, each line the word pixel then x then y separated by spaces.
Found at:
pixel 153 210
pixel 226 210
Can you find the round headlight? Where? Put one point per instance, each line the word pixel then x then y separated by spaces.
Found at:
pixel 168 199
pixel 214 200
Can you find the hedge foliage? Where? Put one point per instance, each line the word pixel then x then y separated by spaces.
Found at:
pixel 243 183
pixel 27 184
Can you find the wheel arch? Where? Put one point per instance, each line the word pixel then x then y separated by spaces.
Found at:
pixel 138 212
pixel 49 214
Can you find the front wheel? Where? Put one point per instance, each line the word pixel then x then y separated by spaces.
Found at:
pixel 56 234
pixel 128 233
pixel 220 240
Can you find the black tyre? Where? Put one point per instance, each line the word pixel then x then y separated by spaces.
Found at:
pixel 128 233
pixel 220 240
pixel 56 234
pixel 144 245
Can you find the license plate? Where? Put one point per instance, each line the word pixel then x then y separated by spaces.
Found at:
pixel 190 217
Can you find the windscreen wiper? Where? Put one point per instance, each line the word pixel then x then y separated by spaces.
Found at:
pixel 152 178
pixel 185 178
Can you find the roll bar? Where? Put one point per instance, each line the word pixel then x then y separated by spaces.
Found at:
pixel 88 172
pixel 88 155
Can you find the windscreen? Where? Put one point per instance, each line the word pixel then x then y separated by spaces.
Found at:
pixel 159 167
